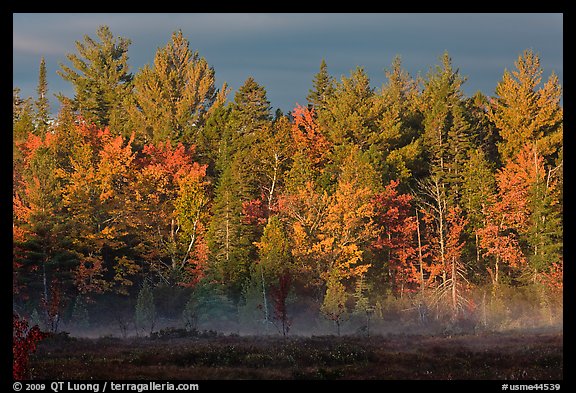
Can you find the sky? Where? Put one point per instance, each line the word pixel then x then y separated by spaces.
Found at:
pixel 283 51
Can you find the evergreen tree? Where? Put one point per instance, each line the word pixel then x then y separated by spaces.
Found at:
pixel 214 143
pixel 145 313
pixel 396 149
pixel 251 108
pixel 229 238
pixel 174 97
pixel 483 132
pixel 101 78
pixel 42 104
pixel 323 88
pixel 446 136
pixel 477 189
pixel 525 113
pixel 350 115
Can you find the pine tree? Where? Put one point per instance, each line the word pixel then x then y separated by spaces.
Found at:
pixel 42 104
pixel 523 113
pixel 478 187
pixel 174 96
pixel 397 148
pixel 145 313
pixel 350 115
pixel 251 108
pixel 446 137
pixel 101 79
pixel 323 88
pixel 229 239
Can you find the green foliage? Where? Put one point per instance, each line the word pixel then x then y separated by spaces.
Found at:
pixel 42 105
pixel 525 113
pixel 254 310
pixel 251 108
pixel 334 304
pixel 209 307
pixel 174 97
pixel 80 316
pixel 145 313
pixel 323 88
pixel 101 79
pixel 350 114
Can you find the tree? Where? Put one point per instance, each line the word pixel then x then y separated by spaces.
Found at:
pixel 174 97
pixel 95 192
pixel 334 304
pixel 527 206
pixel 396 227
pixel 432 200
pixel 446 137
pixel 350 115
pixel 101 79
pixel 169 212
pixel 478 188
pixel 42 259
pixel 145 314
pixel 229 237
pixel 323 88
pixel 42 105
pixel 279 294
pixel 523 113
pixel 312 151
pixel 24 341
pixel 454 287
pixel 397 148
pixel 251 108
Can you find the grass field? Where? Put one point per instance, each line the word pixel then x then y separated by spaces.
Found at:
pixel 506 356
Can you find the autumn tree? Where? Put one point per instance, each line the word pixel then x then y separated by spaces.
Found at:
pixel 95 192
pixel 395 239
pixel 524 112
pixel 174 96
pixel 526 206
pixel 334 303
pixel 312 151
pixel 453 289
pixel 101 78
pixel 280 294
pixel 42 259
pixel 329 231
pixel 169 211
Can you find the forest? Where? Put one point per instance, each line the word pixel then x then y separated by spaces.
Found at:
pixel 158 203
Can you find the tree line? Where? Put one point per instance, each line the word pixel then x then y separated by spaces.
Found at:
pixel 159 182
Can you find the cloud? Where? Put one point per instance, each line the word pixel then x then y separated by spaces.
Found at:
pixel 38 45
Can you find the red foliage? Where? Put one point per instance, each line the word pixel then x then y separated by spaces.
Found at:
pixel 397 228
pixel 24 340
pixel 175 161
pixel 279 295
pixel 307 136
pixel 53 306
pixel 254 212
pixel 554 279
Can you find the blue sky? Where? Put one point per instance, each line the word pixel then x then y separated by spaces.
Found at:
pixel 283 51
